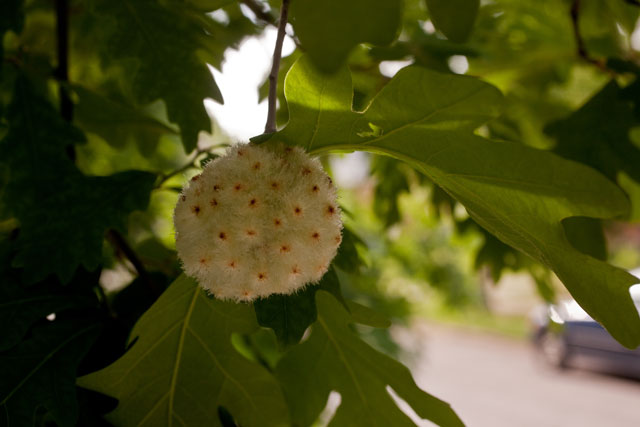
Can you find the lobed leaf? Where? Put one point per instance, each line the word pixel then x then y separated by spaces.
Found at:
pixel 520 194
pixel 63 214
pixel 181 367
pixel 346 364
pixel 163 42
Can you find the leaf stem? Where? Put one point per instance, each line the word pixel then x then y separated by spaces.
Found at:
pixel 190 164
pixel 270 126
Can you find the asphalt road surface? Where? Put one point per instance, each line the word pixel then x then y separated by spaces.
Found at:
pixel 495 381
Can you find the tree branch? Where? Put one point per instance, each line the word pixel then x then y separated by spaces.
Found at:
pixel 123 249
pixel 270 126
pixel 582 50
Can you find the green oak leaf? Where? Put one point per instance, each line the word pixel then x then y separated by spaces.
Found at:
pixel 182 367
pixel 330 29
pixel 290 315
pixel 362 375
pixel 597 134
pixel 163 40
pixel 454 18
pixel 41 371
pixel 117 122
pixel 62 213
pixel 518 193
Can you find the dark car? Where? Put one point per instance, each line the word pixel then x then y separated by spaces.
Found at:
pixel 565 335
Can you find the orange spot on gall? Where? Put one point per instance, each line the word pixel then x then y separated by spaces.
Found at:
pixel 237 187
pixel 195 209
pixel 213 202
pixel 222 235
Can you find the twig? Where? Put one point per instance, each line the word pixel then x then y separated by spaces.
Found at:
pixel 582 51
pixel 270 127
pixel 190 164
pixel 120 245
pixel 267 17
pixel 632 2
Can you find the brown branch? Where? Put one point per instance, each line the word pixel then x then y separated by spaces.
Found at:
pixel 582 50
pixel 270 126
pixel 123 249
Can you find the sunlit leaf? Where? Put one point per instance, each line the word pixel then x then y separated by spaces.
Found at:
pixel 519 194
pixel 344 363
pixel 182 367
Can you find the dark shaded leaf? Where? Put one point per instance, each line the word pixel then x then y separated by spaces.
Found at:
pixel 328 29
pixel 346 364
pixel 63 214
pixel 11 19
pixel 163 41
pixel 454 18
pixel 41 371
pixel 290 315
pixel 597 134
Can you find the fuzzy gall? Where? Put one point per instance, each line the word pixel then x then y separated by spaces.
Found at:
pixel 258 221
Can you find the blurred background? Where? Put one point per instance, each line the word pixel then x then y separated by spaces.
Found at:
pixel 473 318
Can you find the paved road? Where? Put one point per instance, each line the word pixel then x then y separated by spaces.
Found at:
pixel 495 381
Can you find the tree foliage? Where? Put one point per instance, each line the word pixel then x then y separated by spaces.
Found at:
pixel 102 118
